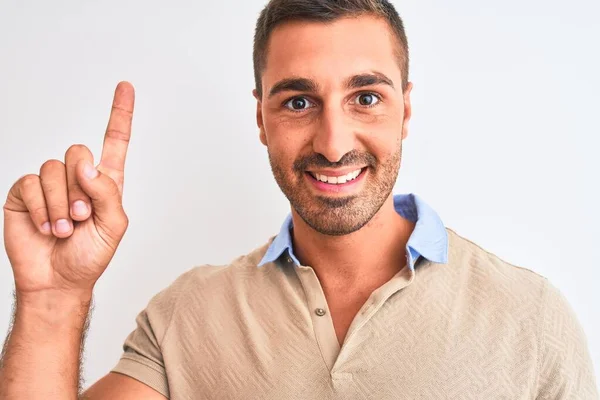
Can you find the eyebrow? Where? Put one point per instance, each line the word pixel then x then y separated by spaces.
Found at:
pixel 294 84
pixel 375 78
pixel 310 86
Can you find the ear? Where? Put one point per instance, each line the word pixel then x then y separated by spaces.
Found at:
pixel 407 110
pixel 259 120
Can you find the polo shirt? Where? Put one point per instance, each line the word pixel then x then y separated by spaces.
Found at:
pixel 456 322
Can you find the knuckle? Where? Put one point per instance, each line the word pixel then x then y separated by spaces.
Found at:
pixel 125 221
pixel 29 181
pixel 59 208
pixel 114 227
pixel 118 135
pixel 74 189
pixel 122 111
pixel 54 190
pixel 76 149
pixel 119 228
pixel 39 213
pixel 51 165
pixel 124 224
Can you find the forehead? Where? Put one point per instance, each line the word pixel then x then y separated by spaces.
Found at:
pixel 332 51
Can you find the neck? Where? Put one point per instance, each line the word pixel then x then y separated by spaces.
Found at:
pixel 368 257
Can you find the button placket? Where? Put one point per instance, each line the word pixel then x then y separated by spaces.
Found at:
pixel 322 323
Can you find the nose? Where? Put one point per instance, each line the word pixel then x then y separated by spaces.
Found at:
pixel 334 136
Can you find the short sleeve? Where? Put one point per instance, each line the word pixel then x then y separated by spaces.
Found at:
pixel 565 365
pixel 142 358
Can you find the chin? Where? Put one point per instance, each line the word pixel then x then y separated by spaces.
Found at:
pixel 333 216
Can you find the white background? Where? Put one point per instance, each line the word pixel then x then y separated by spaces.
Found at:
pixel 503 142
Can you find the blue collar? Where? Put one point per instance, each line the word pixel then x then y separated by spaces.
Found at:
pixel 429 239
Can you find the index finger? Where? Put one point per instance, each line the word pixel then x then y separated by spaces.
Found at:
pixel 118 133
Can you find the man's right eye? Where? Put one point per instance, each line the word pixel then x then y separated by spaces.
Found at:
pixel 298 104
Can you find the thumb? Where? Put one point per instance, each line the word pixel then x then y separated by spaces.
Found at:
pixel 105 196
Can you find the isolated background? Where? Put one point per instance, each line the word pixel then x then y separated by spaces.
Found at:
pixel 503 142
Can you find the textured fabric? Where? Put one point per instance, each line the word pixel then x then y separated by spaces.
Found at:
pixel 473 327
pixel 428 239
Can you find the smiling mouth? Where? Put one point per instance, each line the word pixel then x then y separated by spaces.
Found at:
pixel 337 180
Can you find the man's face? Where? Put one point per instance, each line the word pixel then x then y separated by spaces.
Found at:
pixel 332 125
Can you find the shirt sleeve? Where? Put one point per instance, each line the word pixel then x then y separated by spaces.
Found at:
pixel 142 358
pixel 564 364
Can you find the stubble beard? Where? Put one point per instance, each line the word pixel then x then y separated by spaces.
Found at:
pixel 337 216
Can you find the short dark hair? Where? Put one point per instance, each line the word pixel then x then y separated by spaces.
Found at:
pixel 277 12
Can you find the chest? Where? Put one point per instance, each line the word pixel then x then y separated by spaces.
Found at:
pixel 400 351
pixel 343 311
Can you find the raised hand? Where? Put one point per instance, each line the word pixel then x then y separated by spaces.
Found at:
pixel 63 226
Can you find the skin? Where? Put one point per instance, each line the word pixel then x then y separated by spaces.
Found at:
pixel 55 269
pixel 354 241
pixel 356 244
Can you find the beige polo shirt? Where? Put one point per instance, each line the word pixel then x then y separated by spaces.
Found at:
pixel 473 327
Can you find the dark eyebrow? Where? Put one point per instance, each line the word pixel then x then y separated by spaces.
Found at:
pixel 294 84
pixel 310 86
pixel 375 78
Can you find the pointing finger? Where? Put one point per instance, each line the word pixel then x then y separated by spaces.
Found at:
pixel 118 133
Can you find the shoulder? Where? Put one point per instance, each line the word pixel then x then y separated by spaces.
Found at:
pixel 518 309
pixel 491 273
pixel 199 289
pixel 483 288
pixel 241 267
pixel 564 362
pixel 214 280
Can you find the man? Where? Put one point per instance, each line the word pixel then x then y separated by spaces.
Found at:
pixel 362 294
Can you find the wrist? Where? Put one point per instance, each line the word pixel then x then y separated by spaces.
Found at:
pixel 55 307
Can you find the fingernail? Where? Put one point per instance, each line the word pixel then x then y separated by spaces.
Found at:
pixel 62 226
pixel 89 171
pixel 80 208
pixel 46 227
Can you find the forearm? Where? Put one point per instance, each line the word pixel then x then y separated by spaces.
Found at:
pixel 42 355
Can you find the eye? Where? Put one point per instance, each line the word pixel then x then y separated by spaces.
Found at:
pixel 368 99
pixel 298 104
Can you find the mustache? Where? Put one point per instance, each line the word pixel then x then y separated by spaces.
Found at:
pixel 317 160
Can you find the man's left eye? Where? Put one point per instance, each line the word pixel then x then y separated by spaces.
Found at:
pixel 367 99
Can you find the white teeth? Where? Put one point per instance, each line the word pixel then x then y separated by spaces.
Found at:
pixel 336 180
